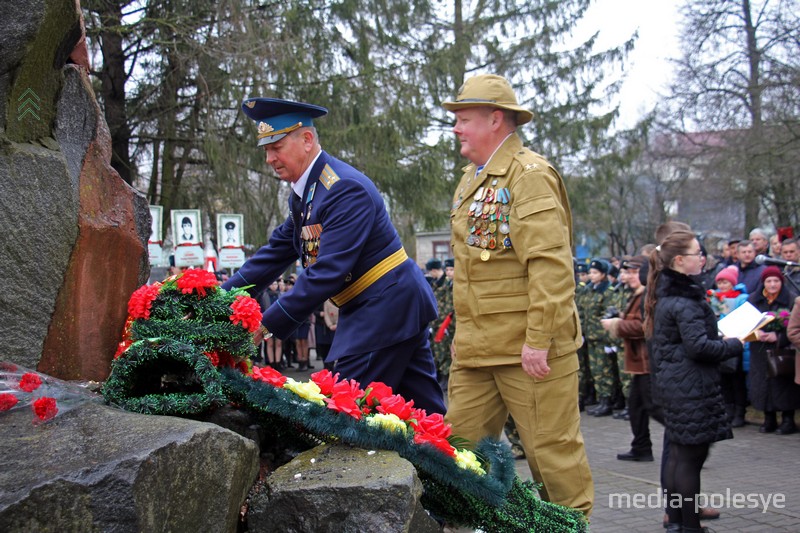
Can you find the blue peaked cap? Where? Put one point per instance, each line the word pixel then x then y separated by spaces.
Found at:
pixel 277 118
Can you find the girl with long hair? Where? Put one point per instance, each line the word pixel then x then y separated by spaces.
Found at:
pixel 685 357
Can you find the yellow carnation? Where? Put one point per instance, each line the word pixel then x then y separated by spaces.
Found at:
pixel 468 461
pixel 305 389
pixel 389 421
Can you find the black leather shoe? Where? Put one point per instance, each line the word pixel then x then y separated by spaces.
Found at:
pixel 770 423
pixel 604 409
pixel 767 427
pixel 621 415
pixel 638 457
pixel 787 427
pixel 602 405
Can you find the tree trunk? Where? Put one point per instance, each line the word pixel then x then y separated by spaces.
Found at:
pixel 113 78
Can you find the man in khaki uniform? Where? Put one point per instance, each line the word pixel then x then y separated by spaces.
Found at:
pixel 518 329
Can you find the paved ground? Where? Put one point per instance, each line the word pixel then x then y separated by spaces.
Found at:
pixel 752 466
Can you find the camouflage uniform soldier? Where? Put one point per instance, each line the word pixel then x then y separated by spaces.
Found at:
pixel 597 339
pixel 585 384
pixel 444 327
pixel 618 296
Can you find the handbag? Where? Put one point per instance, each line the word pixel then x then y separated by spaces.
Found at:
pixel 780 362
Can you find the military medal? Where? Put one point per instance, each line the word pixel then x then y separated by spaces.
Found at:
pixel 485 255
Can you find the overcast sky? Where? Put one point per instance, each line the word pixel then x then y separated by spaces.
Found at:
pixel 648 70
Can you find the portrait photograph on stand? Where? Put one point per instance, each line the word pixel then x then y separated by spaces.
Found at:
pixel 187 234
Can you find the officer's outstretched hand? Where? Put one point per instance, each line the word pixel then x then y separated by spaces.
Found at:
pixel 534 362
pixel 258 336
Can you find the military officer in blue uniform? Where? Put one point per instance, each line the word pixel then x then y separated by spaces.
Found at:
pixel 351 253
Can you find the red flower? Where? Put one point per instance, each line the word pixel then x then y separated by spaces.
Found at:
pixel 197 278
pixel 141 301
pixel 439 442
pixel 45 408
pixel 243 367
pixel 325 381
pixel 397 405
pixel 122 347
pixel 247 312
pixel 345 402
pixel 348 386
pixel 270 375
pixel 376 392
pixel 30 382
pixel 7 401
pixel 433 425
pixel 417 415
pixel 213 356
pixel 225 360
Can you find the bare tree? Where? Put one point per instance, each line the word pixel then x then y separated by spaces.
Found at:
pixel 738 77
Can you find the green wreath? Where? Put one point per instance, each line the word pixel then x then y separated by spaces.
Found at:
pixel 162 376
pixel 187 346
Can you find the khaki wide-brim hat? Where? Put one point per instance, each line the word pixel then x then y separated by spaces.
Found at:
pixel 492 91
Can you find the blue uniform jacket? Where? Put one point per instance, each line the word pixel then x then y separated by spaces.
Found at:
pixel 345 215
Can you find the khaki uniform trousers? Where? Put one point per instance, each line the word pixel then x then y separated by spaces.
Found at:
pixel 547 418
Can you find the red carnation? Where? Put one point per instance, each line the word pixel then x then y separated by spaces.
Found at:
pixel 213 357
pixel 141 301
pixel 433 425
pixel 345 402
pixel 7 401
pixel 396 405
pixel 197 278
pixel 325 381
pixel 376 392
pixel 350 387
pixel 270 375
pixel 439 442
pixel 417 415
pixel 247 312
pixel 45 408
pixel 122 347
pixel 30 382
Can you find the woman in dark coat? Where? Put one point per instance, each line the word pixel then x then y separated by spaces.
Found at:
pixel 780 393
pixel 685 357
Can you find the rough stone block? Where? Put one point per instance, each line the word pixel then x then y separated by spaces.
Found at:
pixel 338 488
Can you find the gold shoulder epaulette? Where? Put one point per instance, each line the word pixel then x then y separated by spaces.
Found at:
pixel 328 177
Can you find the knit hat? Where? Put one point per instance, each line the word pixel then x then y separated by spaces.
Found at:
pixel 771 272
pixel 729 273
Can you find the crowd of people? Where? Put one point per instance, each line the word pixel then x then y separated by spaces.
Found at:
pixel 653 350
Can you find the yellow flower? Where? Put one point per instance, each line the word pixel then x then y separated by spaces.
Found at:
pixel 389 421
pixel 305 389
pixel 468 461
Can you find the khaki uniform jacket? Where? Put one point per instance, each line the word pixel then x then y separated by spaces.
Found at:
pixel 525 294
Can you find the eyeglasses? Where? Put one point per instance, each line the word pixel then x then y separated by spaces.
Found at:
pixel 698 254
